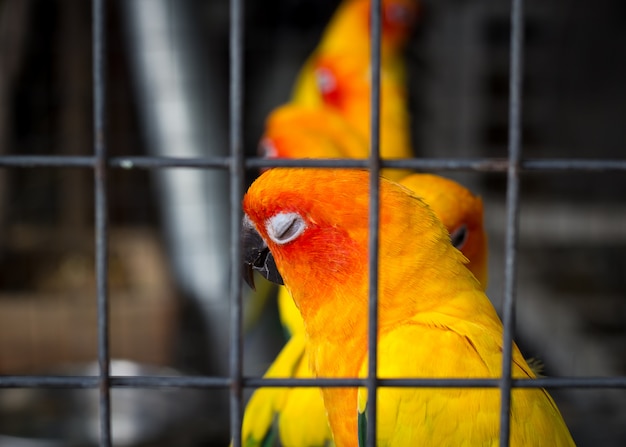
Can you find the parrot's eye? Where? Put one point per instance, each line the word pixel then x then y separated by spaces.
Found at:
pixel 397 14
pixel 285 227
pixel 459 236
pixel 267 149
pixel 326 82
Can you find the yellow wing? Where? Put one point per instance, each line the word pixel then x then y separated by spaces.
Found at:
pixel 289 314
pixel 440 346
pixel 259 418
pixel 302 419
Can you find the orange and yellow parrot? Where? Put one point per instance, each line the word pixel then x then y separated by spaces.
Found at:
pixel 348 35
pixel 278 412
pixel 337 75
pixel 308 229
pixel 345 86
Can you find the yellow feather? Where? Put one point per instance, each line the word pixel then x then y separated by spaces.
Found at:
pixel 265 403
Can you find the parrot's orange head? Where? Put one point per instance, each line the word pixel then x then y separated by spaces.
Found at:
pixel 290 222
pixel 293 131
pixel 399 17
pixel 297 131
pixel 353 23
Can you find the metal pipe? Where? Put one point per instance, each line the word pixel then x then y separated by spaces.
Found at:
pixel 101 216
pixel 85 382
pixel 374 163
pixel 237 175
pixel 512 214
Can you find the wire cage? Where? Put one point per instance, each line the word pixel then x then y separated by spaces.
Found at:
pixel 497 103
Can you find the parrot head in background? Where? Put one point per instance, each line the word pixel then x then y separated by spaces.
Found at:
pixel 348 35
pixel 398 21
pixel 296 131
pixel 344 85
pixel 299 131
pixel 351 24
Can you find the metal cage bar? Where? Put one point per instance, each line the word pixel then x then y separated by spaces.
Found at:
pixel 373 222
pixel 101 216
pixel 236 186
pixel 512 215
pixel 86 382
pixel 236 165
pixel 426 164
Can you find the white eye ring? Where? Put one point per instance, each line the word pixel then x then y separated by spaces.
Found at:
pixel 267 149
pixel 285 227
pixel 326 81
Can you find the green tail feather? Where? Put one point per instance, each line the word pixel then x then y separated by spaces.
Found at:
pixel 362 428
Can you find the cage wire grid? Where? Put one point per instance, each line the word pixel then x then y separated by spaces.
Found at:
pixel 237 165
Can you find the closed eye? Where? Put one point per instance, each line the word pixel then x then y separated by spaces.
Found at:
pixel 285 227
pixel 458 237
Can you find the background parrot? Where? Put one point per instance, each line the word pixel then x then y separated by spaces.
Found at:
pixel 308 228
pixel 296 131
pixel 337 74
pixel 344 84
pixel 348 33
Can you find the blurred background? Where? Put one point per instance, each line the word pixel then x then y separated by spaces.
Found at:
pixel 167 80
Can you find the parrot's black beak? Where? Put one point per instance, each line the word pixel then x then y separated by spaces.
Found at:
pixel 257 256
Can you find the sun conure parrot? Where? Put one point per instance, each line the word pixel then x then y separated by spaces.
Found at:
pixel 348 34
pixel 337 75
pixel 308 229
pixel 296 416
pixel 344 84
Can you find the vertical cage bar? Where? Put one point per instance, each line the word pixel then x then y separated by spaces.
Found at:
pixel 374 205
pixel 236 170
pixel 101 218
pixel 512 213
